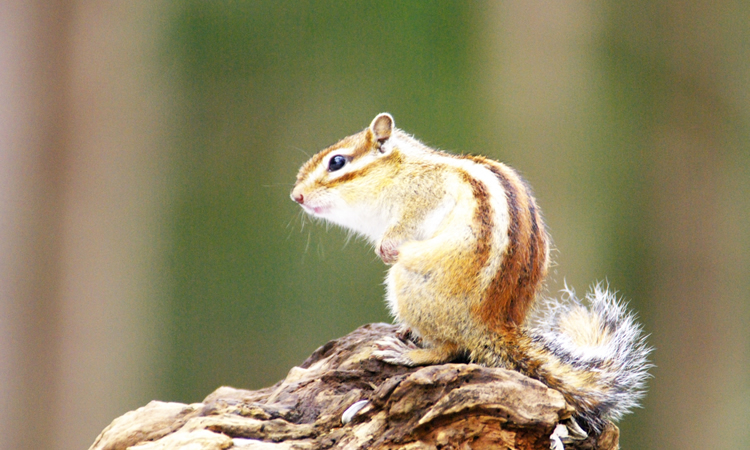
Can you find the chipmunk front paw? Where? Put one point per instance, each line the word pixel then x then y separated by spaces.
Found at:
pixel 388 251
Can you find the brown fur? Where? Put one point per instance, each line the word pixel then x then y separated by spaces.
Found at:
pixel 482 225
pixel 515 285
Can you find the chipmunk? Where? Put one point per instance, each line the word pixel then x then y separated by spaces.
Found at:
pixel 469 253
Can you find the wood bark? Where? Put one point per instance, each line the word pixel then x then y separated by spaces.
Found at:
pixel 343 398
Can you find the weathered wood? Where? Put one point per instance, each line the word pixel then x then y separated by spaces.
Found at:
pixel 442 406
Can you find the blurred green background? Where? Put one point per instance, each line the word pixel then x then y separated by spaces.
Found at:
pixel 150 249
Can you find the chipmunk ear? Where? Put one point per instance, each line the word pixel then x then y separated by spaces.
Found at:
pixel 381 127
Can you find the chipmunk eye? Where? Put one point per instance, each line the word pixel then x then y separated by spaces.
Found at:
pixel 336 163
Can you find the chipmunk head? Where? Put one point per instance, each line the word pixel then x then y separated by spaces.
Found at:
pixel 340 182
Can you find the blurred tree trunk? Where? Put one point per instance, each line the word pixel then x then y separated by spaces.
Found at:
pixel 80 196
pixel 698 157
pixel 33 155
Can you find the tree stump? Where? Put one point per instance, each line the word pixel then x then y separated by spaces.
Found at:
pixel 343 398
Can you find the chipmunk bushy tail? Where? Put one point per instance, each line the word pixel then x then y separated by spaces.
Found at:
pixel 595 354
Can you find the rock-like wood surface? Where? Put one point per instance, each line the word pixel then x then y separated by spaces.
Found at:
pixel 449 406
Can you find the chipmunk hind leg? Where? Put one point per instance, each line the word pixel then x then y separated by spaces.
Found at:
pixel 393 350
